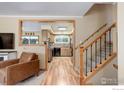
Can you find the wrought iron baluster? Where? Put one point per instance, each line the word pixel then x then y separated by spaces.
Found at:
pixel 110 43
pixel 100 50
pixel 96 54
pixel 86 61
pixel 91 59
pixel 105 46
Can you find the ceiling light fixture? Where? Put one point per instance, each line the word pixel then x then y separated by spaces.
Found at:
pixel 62 28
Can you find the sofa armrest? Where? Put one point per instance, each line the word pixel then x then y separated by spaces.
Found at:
pixel 21 71
pixel 6 63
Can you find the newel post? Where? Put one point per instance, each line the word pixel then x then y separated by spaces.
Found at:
pixel 81 65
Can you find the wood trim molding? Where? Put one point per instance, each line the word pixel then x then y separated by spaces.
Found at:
pixel 81 65
pixel 74 43
pixel 45 20
pixel 20 32
pixel 38 20
pixel 46 57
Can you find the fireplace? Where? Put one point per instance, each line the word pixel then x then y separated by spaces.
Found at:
pixel 57 52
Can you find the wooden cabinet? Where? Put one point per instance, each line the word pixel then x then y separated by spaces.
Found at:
pixel 66 52
pixel 62 51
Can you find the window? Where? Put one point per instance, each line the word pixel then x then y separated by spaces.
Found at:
pixel 30 40
pixel 62 39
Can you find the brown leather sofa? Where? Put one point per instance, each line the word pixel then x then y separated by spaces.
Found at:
pixel 13 71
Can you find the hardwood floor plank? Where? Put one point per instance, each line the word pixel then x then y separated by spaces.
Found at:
pixel 61 72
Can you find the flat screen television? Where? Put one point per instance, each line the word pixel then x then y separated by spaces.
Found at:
pixel 6 41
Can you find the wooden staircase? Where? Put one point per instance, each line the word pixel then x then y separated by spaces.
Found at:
pixel 96 55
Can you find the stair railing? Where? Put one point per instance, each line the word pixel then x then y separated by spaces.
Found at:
pixel 90 36
pixel 91 50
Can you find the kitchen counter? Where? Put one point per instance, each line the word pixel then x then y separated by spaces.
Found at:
pixel 62 51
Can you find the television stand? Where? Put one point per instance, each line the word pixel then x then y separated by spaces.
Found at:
pixel 8 55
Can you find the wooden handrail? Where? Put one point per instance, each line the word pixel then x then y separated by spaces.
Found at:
pixel 115 66
pixel 84 77
pixel 91 35
pixel 113 25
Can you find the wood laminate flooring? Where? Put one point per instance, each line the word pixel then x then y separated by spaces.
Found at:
pixel 61 72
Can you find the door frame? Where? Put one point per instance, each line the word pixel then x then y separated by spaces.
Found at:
pixel 46 48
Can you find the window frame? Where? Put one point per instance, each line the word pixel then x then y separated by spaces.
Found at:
pixel 61 37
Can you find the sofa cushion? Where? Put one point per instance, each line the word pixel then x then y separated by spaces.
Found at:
pixel 26 57
pixel 2 75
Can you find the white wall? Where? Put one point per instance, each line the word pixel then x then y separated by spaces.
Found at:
pixel 106 76
pixel 11 25
pixel 95 18
pixel 120 44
